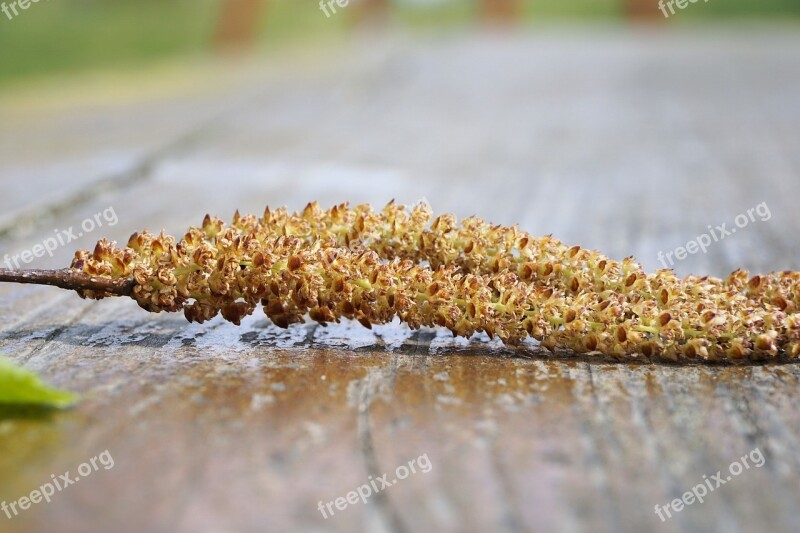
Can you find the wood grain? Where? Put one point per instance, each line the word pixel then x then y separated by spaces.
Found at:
pixel 631 143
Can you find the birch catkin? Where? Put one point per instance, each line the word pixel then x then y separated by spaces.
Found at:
pixel 470 277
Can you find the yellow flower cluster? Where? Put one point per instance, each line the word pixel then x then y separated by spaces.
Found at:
pixel 471 276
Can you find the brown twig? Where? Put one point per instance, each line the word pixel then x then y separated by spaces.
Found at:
pixel 68 279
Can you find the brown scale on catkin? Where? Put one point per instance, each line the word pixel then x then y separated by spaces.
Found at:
pixel 356 263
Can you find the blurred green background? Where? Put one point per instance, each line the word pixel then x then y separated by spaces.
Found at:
pixel 55 36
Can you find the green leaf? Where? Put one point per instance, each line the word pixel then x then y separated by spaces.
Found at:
pixel 21 387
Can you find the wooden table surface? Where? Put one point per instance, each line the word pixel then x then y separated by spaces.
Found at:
pixel 630 142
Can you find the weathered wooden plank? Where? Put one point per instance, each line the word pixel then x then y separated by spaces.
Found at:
pixel 614 146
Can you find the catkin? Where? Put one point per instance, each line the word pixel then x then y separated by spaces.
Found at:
pixel 371 266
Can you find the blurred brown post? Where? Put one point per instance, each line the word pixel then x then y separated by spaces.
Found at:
pixel 501 11
pixel 370 11
pixel 237 24
pixel 643 9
